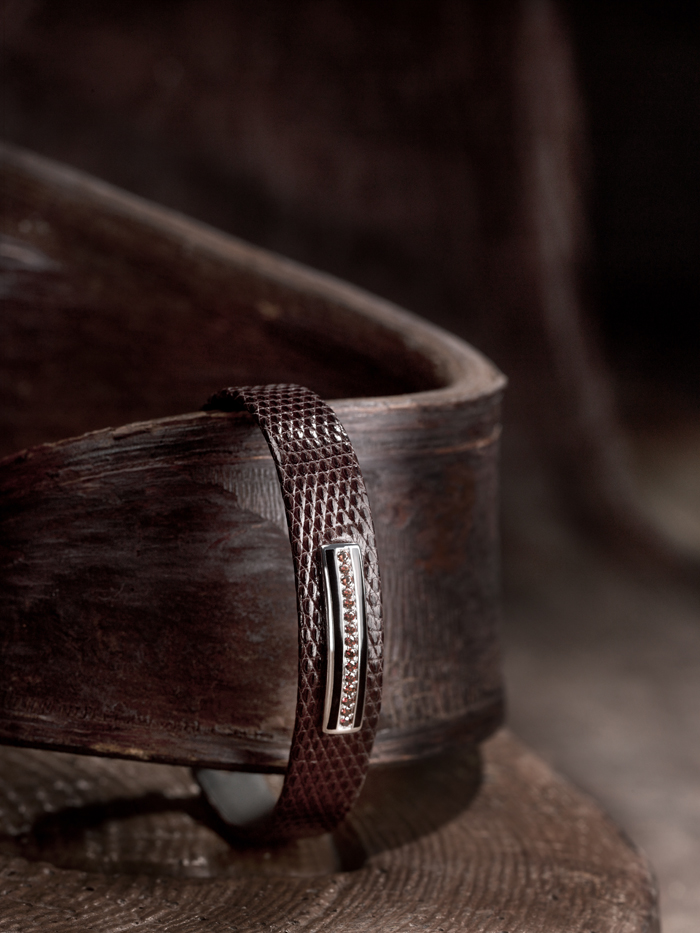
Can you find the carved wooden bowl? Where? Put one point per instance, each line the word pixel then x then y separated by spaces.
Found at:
pixel 148 599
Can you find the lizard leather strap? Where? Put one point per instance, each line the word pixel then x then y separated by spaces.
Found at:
pixel 326 503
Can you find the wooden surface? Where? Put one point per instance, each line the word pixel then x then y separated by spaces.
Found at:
pixel 91 844
pixel 148 600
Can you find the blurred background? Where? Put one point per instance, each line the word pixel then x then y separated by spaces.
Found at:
pixel 524 173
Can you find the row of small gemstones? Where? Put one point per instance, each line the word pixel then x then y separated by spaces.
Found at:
pixel 348 702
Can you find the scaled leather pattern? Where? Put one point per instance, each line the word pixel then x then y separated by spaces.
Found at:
pixel 325 501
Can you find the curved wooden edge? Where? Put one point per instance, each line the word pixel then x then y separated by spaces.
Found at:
pixel 431 456
pixel 430 846
pixel 396 745
pixel 466 373
pixel 391 746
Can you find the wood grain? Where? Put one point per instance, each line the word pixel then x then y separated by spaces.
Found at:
pixel 440 846
pixel 148 601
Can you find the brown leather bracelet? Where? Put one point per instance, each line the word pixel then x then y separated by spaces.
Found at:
pixel 340 657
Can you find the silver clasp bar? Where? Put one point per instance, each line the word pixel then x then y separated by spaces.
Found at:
pixel 346 637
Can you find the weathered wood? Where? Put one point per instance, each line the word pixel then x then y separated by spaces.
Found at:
pixel 134 619
pixel 90 844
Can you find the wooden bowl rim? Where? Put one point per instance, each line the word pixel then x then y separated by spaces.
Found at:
pixel 468 376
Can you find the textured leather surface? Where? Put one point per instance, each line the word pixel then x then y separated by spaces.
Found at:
pixel 325 501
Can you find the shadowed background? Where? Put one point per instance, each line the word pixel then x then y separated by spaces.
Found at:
pixel 525 175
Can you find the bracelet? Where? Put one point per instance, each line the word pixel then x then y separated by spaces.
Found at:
pixel 340 621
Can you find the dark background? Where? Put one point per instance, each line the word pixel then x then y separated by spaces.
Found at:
pixel 638 65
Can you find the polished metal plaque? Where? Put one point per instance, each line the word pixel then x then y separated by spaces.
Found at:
pixel 346 637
